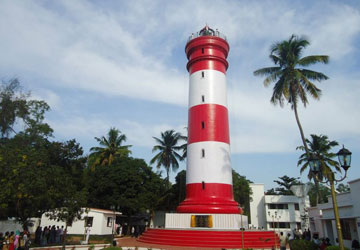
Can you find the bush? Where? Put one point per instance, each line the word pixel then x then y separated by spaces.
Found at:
pixel 335 248
pixel 303 245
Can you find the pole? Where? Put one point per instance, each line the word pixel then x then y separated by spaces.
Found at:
pixel 242 232
pixel 336 211
pixel 274 231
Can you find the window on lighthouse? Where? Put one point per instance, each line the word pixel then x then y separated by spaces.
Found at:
pixel 203 153
pixel 202 50
pixel 203 98
pixel 202 74
pixel 203 125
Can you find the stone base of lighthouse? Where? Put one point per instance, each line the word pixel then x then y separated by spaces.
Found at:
pixel 218 221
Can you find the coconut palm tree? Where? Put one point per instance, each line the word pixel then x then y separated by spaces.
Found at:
pixel 320 146
pixel 111 148
pixel 293 83
pixel 168 148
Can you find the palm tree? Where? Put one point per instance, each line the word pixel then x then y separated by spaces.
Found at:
pixel 168 148
pixel 320 146
pixel 111 148
pixel 292 82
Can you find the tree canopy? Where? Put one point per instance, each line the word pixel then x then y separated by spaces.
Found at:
pixel 293 81
pixel 284 183
pixel 168 151
pixel 111 148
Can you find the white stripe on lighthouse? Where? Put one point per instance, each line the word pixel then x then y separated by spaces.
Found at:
pixel 207 86
pixel 210 163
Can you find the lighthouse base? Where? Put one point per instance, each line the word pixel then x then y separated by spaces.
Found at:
pixel 218 221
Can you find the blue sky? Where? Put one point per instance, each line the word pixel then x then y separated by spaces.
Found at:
pixel 102 64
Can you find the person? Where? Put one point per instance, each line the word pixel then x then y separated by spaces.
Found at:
pixel 2 238
pixel 283 241
pixel 87 234
pixel 58 231
pixel 355 245
pixel 6 241
pixel 38 233
pixel 316 239
pixel 44 236
pixel 16 240
pixel 11 241
pixel 61 234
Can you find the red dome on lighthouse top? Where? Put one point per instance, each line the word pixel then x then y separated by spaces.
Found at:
pixel 207 49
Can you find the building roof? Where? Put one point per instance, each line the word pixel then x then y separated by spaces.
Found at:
pixel 104 211
pixel 356 180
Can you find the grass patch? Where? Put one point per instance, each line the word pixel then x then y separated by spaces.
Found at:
pixel 113 248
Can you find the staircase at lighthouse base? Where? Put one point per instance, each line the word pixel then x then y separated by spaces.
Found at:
pixel 210 238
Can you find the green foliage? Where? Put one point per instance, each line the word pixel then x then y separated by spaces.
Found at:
pixel 242 191
pixel 335 248
pixel 16 106
pixel 171 198
pixel 324 192
pixel 113 248
pixel 111 149
pixel 285 183
pixel 128 184
pixel 342 188
pixel 303 245
pixel 12 105
pixel 293 82
pixel 320 146
pixel 168 149
pixel 37 175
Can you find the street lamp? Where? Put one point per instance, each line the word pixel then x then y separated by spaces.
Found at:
pixel 273 225
pixel 241 225
pixel 344 156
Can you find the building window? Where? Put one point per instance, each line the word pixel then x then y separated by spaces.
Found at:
pixel 297 208
pixel 203 125
pixel 203 98
pixel 345 226
pixel 203 153
pixel 298 225
pixel 89 221
pixel 279 224
pixel 109 221
pixel 202 50
pixel 202 74
pixel 277 206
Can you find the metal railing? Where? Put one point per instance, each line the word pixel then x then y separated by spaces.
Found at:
pixel 198 34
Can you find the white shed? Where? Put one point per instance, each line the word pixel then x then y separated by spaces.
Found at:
pixel 100 222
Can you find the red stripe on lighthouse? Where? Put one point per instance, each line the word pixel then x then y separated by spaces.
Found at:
pixel 207 62
pixel 209 198
pixel 208 122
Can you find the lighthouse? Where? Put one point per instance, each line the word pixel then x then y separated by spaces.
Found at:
pixel 209 187
pixel 209 216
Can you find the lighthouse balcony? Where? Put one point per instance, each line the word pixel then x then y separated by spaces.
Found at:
pixel 206 31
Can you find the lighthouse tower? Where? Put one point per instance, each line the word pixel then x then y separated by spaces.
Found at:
pixel 209 173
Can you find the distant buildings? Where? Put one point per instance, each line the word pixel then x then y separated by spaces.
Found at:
pixel 322 218
pixel 100 222
pixel 277 212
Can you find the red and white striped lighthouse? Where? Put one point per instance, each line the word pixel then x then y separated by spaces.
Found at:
pixel 209 173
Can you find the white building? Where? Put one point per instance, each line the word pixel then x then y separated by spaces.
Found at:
pixel 322 219
pixel 277 212
pixel 100 221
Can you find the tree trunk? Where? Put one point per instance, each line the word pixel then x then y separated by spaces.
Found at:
pixel 318 196
pixel 317 188
pixel 301 130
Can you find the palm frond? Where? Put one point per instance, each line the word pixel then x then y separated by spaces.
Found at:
pixel 313 75
pixel 309 60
